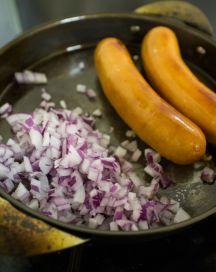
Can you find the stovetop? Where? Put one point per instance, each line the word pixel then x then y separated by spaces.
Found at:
pixel 192 249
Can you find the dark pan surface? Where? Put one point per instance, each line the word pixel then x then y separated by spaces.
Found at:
pixel 57 51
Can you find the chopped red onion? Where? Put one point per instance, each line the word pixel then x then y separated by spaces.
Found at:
pixel 114 226
pixel 17 118
pixel 130 134
pixel 100 219
pixel 165 200
pixel 208 175
pixel 181 215
pixel 135 179
pixel 151 156
pixel 81 65
pixel 78 111
pixel 173 206
pixel 111 129
pixel 34 204
pixel 97 113
pixel 46 96
pixel 149 191
pixel 47 105
pixel 4 171
pixel 21 193
pixel 166 217
pixel 126 166
pixel 154 169
pixel 125 143
pixel 27 164
pixel 35 137
pixel 120 152
pixel 80 88
pixel 72 176
pixel 29 77
pixel 199 165
pixel 45 164
pixel 105 140
pixel 79 195
pixel 90 93
pixel 93 223
pixel 143 225
pixel 5 109
pixel 207 157
pixel 134 227
pixel 63 104
pixel 7 185
pixel 150 171
pixel 135 57
pixel 132 146
pixel 136 155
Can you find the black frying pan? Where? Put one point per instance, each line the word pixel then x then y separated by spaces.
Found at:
pixel 55 49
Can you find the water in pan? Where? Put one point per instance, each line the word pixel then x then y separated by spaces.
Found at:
pixel 63 76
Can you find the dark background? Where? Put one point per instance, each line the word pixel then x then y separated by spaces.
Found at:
pixel 35 12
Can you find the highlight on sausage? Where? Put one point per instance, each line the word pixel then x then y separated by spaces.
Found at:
pixel 157 123
pixel 175 82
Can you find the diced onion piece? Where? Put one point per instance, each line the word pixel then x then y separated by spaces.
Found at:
pixel 199 165
pixel 4 171
pixel 135 179
pixel 21 193
pixel 114 226
pixel 208 175
pixel 80 88
pixel 90 93
pixel 135 57
pixel 97 113
pixel 45 165
pixel 132 146
pixel 46 96
pixel 29 77
pixel 173 206
pixel 111 129
pixel 143 225
pixel 136 155
pixel 17 118
pixel 36 137
pixel 181 215
pixel 130 134
pixel 34 204
pixel 81 65
pixel 120 152
pixel 27 164
pixel 79 196
pixel 63 104
pixel 125 143
pixel 78 111
pixel 7 185
pixel 5 109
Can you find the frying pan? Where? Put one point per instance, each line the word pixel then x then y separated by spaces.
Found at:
pixel 56 49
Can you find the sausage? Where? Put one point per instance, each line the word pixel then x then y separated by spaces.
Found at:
pixel 157 123
pixel 175 82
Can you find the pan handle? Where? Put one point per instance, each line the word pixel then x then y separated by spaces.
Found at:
pixel 182 11
pixel 23 235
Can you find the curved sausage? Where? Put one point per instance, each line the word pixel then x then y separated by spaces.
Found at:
pixel 175 82
pixel 157 123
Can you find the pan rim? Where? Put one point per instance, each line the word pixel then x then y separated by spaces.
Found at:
pixel 85 230
pixel 52 23
pixel 97 232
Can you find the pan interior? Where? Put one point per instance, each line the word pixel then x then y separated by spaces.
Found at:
pixel 63 76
